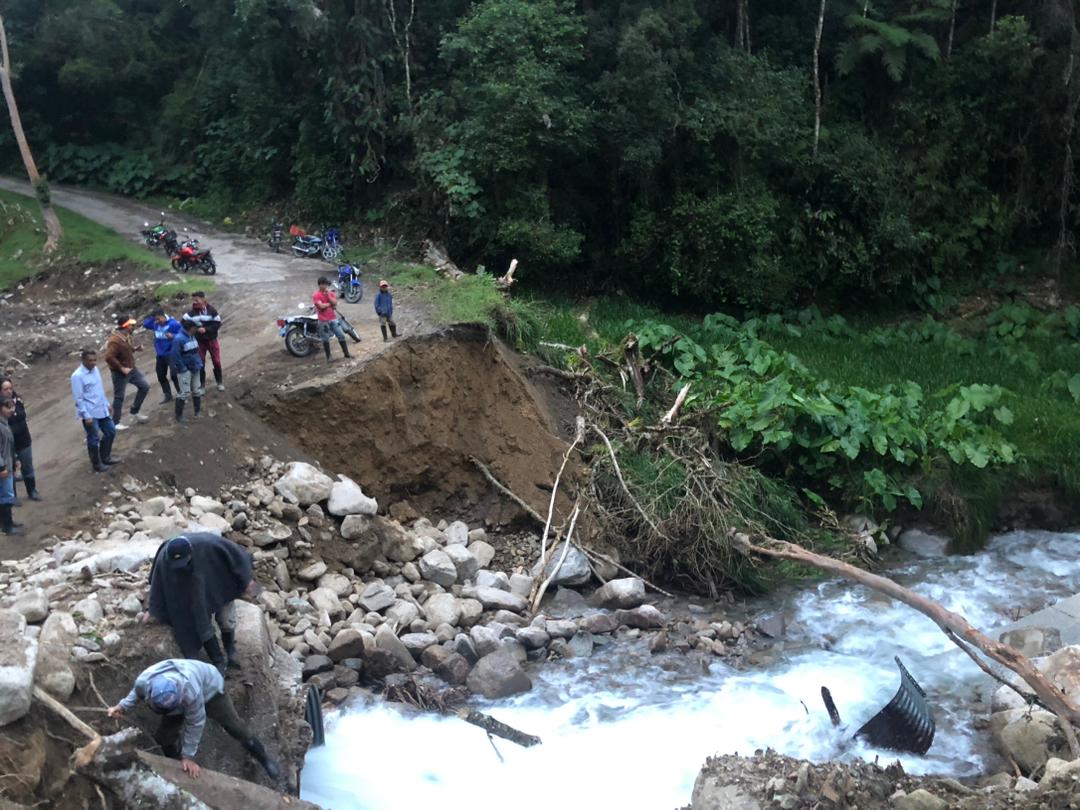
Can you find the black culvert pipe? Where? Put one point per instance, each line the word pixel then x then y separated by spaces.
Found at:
pixel 313 716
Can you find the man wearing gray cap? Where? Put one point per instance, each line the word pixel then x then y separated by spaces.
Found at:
pixel 185 693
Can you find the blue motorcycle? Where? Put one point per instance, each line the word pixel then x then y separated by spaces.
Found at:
pixel 350 283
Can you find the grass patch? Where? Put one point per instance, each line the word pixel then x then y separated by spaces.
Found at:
pixel 173 289
pixel 22 237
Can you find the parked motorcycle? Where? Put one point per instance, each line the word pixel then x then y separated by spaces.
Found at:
pixel 350 283
pixel 170 243
pixel 152 236
pixel 332 244
pixel 191 256
pixel 301 332
pixel 304 243
pixel 277 233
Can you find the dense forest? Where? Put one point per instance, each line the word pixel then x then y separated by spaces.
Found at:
pixel 760 154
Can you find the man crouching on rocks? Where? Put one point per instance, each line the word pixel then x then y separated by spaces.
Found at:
pixel 186 693
pixel 194 580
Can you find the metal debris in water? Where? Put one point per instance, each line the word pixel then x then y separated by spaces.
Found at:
pixel 906 723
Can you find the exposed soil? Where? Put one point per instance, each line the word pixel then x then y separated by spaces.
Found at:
pixel 407 425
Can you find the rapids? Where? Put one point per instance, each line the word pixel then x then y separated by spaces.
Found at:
pixel 630 730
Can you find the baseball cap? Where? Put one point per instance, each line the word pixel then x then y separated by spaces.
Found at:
pixel 124 321
pixel 384 283
pixel 178 552
pixel 163 695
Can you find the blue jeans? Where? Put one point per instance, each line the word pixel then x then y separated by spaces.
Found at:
pixel 7 489
pixel 100 433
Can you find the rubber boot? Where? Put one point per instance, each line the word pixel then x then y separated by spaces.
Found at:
pixel 256 749
pixel 31 489
pixel 393 330
pixel 382 326
pixel 7 524
pixel 178 409
pixel 228 641
pixel 165 400
pixel 344 348
pixel 95 459
pixel 106 451
pixel 214 653
pixel 326 349
pixel 218 379
pixel 198 404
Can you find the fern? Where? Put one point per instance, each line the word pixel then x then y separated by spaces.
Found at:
pixel 891 42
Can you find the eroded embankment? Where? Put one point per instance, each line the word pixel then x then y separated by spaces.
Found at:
pixel 409 421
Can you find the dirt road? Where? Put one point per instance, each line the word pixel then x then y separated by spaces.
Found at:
pixel 254 287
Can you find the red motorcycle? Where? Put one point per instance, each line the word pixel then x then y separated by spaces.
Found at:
pixel 191 257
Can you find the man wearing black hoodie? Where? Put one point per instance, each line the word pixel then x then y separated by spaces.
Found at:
pixel 208 322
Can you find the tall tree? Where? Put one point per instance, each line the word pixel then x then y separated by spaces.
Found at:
pixel 817 76
pixel 1065 246
pixel 54 231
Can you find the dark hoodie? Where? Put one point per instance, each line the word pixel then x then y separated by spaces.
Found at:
pixel 186 599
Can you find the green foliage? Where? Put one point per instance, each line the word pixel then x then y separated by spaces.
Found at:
pixel 891 42
pixel 182 289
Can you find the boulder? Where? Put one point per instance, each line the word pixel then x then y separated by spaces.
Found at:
pixel 574 570
pixel 600 623
pixel 485 640
pixel 464 647
pixel 416 643
pixel 923 544
pixel 498 675
pixel 89 609
pixel 581 645
pixel 326 599
pixel 442 608
pixel 471 611
pixel 620 593
pixel 314 664
pixel 201 503
pixel 645 617
pixel 215 524
pixel 402 613
pixel 457 534
pixel 437 566
pixel 33 604
pixel 495 599
pixel 18 658
pixel 521 585
pixel 338 583
pixel 153 507
pixel 377 596
pixel 483 551
pixel 561 628
pixel 1030 738
pixel 1059 770
pixel 387 641
pixel 348 643
pixel 52 673
pixel 446 664
pixel 312 571
pixel 463 559
pixel 304 484
pixel 565 604
pixel 346 498
pixel 492 579
pixel 402 546
pixel 533 638
pixel 355 527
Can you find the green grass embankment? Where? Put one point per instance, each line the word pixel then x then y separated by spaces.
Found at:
pixel 22 238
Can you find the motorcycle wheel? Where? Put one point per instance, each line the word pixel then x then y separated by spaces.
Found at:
pixel 353 294
pixel 297 343
pixel 209 267
pixel 150 243
pixel 299 252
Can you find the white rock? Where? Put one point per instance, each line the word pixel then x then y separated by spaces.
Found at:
pixel 376 597
pixel 90 609
pixel 574 570
pixel 521 585
pixel 338 583
pixel 152 507
pixel 483 552
pixel 628 592
pixel 466 564
pixel 131 605
pixel 457 533
pixel 33 604
pixel 437 566
pixel 52 672
pixel 346 498
pixel 303 484
pixel 208 505
pixel 18 658
pixel 492 579
pixel 353 527
pixel 443 608
pixel 312 571
pixel 402 614
pixel 326 599
pixel 495 599
pixel 213 523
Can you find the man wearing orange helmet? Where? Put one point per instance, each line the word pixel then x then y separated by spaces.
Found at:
pixel 384 308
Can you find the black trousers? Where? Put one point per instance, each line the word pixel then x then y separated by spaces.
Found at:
pixel 164 373
pixel 219 709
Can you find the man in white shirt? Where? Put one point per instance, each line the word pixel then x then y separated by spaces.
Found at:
pixel 94 411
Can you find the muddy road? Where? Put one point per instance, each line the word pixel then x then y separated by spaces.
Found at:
pixel 254 287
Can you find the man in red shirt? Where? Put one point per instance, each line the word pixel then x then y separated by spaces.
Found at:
pixel 325 301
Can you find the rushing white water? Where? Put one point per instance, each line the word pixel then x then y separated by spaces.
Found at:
pixel 626 729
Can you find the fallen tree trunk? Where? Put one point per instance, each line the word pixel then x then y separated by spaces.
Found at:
pixel 498 728
pixel 952 624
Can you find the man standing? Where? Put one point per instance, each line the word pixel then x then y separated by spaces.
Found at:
pixel 186 365
pixel 7 469
pixel 120 358
pixel 207 322
pixel 384 308
pixel 164 328
pixel 194 581
pixel 325 301
pixel 185 693
pixel 24 443
pixel 93 409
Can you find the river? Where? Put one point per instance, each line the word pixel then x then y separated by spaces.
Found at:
pixel 630 730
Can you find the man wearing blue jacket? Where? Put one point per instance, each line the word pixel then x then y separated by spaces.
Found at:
pixel 384 308
pixel 185 362
pixel 164 328
pixel 185 693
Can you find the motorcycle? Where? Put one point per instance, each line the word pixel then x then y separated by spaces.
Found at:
pixel 301 332
pixel 191 257
pixel 350 283
pixel 170 243
pixel 277 231
pixel 152 236
pixel 332 244
pixel 305 244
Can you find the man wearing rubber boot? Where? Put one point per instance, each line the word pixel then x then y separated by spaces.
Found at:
pixel 94 412
pixel 194 580
pixel 207 324
pixel 165 329
pixel 7 469
pixel 186 364
pixel 325 301
pixel 186 693
pixel 384 308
